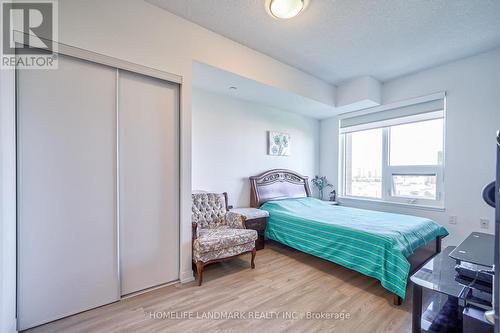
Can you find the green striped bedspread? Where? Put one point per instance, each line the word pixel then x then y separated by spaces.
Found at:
pixel 370 242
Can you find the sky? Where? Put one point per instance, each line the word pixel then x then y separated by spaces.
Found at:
pixel 410 144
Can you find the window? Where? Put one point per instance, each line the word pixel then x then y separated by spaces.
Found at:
pixel 415 153
pixel 400 160
pixel 418 143
pixel 415 186
pixel 364 164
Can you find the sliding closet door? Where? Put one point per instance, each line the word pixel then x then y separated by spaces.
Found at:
pixel 67 244
pixel 149 181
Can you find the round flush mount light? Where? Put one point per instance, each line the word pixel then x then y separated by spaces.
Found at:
pixel 285 9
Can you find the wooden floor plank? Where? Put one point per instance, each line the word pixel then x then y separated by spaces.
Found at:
pixel 285 282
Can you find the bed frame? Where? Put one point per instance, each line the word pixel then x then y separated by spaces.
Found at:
pixel 277 184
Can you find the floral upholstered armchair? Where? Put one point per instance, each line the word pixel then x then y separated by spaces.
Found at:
pixel 218 234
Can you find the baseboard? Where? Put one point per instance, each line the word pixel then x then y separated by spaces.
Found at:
pixel 187 276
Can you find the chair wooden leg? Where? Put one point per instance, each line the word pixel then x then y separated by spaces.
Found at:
pixel 254 252
pixel 199 271
pixel 396 300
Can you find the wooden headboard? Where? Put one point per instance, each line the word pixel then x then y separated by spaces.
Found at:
pixel 277 184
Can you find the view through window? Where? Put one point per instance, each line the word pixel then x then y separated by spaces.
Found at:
pixel 400 163
pixel 365 163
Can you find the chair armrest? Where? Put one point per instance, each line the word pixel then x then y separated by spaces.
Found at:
pixel 194 230
pixel 235 220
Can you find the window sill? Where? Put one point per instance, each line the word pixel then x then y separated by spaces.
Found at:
pixel 347 200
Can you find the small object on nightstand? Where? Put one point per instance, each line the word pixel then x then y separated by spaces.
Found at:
pixel 333 196
pixel 256 219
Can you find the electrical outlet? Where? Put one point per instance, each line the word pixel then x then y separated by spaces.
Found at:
pixel 485 223
pixel 453 220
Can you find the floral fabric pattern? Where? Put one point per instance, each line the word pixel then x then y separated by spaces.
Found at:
pixel 209 210
pixel 220 234
pixel 235 220
pixel 216 239
pixel 223 253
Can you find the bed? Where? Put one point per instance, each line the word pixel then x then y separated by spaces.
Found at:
pixel 384 246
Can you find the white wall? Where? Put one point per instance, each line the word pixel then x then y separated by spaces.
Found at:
pixel 153 37
pixel 472 86
pixel 136 31
pixel 7 203
pixel 329 149
pixel 141 33
pixel 230 144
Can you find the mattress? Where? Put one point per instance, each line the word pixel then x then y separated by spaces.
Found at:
pixel 373 243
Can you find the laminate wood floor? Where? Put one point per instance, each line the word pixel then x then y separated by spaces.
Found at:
pixel 281 294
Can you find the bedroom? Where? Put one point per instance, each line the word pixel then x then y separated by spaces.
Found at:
pixel 236 76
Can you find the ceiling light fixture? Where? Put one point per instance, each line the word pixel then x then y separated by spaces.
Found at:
pixel 285 9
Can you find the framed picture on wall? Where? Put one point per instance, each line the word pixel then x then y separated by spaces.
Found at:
pixel 279 143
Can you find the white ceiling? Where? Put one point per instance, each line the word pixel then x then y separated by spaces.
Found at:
pixel 218 81
pixel 337 40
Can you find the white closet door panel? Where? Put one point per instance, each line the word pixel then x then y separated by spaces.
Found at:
pixel 149 181
pixel 67 246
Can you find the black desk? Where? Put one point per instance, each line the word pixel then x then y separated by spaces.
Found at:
pixel 438 278
pixel 437 275
pixel 478 249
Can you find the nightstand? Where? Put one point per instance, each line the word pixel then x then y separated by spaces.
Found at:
pixel 256 219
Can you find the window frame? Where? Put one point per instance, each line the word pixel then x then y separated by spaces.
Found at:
pixel 387 192
pixel 347 143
